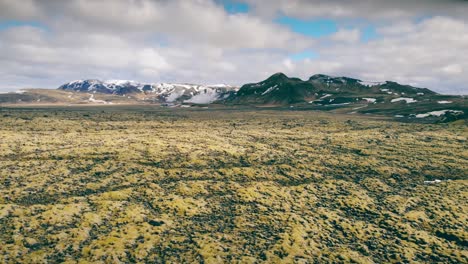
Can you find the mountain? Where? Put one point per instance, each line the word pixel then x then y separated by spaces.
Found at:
pixel 324 89
pixel 343 95
pixel 154 92
pixel 278 89
pixel 352 96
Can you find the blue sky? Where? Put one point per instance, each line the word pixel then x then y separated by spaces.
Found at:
pixel 318 27
pixel 234 7
pixel 315 28
pixel 17 23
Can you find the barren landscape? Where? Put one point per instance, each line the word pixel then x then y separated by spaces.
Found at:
pixel 109 184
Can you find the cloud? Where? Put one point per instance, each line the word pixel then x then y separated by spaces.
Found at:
pixel 185 41
pixel 347 35
pixel 452 69
pixel 200 21
pixel 427 54
pixel 198 41
pixel 370 9
pixel 14 9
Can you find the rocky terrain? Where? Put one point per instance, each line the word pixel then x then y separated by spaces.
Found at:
pixel 144 184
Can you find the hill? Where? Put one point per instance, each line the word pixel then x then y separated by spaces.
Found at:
pixel 349 95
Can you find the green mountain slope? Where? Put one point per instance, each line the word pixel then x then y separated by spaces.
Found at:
pixel 353 96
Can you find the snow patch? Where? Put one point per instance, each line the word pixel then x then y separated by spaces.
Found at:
pixel 206 96
pixel 14 92
pixel 75 82
pixel 407 100
pixel 370 84
pixel 339 104
pixel 92 100
pixel 432 182
pixel 370 100
pixel 269 89
pixel 438 113
pixel 121 82
pixel 175 94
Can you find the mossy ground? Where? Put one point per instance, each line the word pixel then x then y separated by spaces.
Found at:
pixel 103 185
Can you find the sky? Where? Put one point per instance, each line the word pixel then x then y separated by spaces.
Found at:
pixel 45 43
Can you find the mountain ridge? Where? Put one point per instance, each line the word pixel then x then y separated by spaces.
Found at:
pixel 321 92
pixel 280 88
pixel 351 96
pixel 162 92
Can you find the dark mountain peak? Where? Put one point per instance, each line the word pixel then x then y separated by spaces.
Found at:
pixel 281 78
pixel 348 79
pixel 277 89
pixel 277 77
pixel 85 85
pixel 319 77
pixel 279 74
pixel 332 79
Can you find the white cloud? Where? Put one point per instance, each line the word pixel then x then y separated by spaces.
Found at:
pixel 452 69
pixel 14 9
pixel 195 21
pixel 372 9
pixel 288 64
pixel 347 35
pixel 198 41
pixel 432 54
pixel 151 59
pixel 187 41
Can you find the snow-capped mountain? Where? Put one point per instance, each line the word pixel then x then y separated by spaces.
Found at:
pixel 163 92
